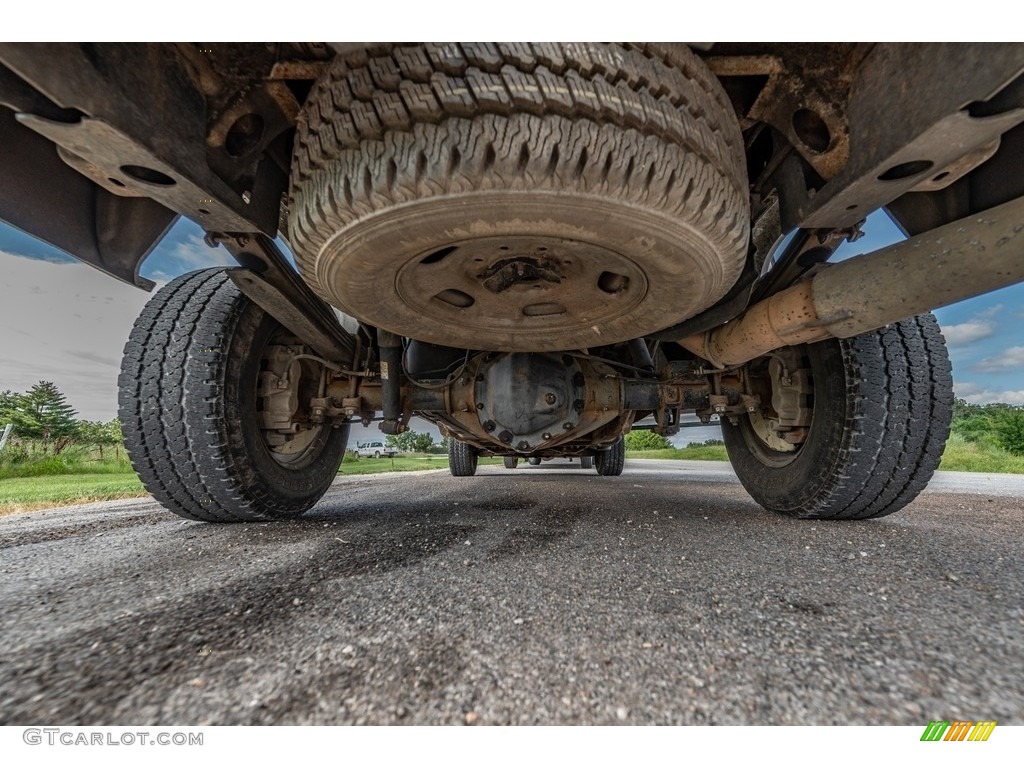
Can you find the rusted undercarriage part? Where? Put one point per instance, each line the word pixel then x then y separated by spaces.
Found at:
pixel 836 130
pixel 541 404
pixel 527 402
pixel 268 279
pixel 955 262
pixel 135 134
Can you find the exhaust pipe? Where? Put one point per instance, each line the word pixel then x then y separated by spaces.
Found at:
pixel 958 261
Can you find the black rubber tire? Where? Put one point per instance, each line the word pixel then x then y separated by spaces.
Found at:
pixel 462 458
pixel 534 461
pixel 883 402
pixel 376 454
pixel 611 462
pixel 511 462
pixel 188 408
pixel 403 149
pixel 587 462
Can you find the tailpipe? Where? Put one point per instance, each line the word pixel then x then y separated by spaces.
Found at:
pixel 958 261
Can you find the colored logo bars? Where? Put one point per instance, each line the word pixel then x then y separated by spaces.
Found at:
pixel 958 730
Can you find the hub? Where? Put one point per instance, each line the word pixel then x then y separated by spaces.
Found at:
pixel 516 271
pixel 533 286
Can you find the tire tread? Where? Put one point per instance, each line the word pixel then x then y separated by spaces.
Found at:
pixel 898 409
pixel 171 404
pixel 611 462
pixel 646 126
pixel 462 458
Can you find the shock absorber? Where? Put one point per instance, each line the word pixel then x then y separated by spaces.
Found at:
pixel 391 381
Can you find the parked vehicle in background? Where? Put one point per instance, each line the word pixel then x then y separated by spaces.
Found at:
pixel 375 448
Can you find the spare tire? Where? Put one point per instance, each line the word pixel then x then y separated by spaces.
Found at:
pixel 519 197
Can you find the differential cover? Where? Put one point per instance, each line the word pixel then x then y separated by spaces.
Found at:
pixel 524 400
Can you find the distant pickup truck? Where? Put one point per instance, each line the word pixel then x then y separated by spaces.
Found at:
pixel 375 448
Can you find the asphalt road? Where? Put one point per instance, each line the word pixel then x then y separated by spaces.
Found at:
pixel 543 595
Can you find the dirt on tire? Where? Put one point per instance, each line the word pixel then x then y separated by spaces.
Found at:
pixel 407 157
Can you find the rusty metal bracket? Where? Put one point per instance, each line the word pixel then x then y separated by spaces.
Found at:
pixel 46 197
pixel 932 159
pixel 269 280
pixel 146 138
pixel 804 97
pixel 122 166
pixel 909 123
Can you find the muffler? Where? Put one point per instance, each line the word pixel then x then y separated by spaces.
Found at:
pixel 958 261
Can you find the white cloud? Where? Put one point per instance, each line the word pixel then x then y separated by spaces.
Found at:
pixel 991 312
pixel 175 257
pixel 973 393
pixel 1012 357
pixel 971 331
pixel 65 323
pixel 193 253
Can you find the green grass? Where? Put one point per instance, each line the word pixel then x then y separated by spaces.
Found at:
pixel 403 463
pixel 695 453
pixel 963 456
pixel 110 480
pixel 24 493
pixel 70 464
pixel 95 481
pixel 959 456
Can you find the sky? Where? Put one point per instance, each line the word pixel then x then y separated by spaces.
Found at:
pixel 63 321
pixel 983 334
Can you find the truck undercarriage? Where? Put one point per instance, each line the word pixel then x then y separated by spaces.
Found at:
pixel 535 247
